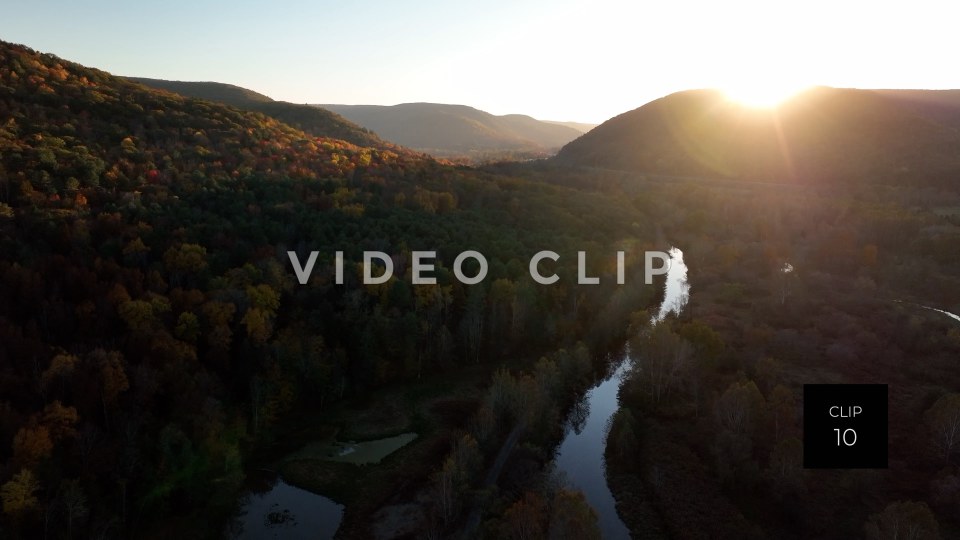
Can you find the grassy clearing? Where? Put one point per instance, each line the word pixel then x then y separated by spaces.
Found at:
pixel 357 453
pixel 406 433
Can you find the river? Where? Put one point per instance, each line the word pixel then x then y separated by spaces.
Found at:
pixel 953 316
pixel 279 510
pixel 580 455
pixel 947 313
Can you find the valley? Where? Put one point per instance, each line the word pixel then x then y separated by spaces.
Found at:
pixel 194 343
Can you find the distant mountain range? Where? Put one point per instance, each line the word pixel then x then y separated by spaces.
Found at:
pixel 312 120
pixel 458 130
pixel 441 130
pixel 823 135
pixel 582 127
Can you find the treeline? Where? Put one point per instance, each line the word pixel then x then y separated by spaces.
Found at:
pixel 495 482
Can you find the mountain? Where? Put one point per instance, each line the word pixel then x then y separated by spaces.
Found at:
pixel 210 91
pixel 823 135
pixel 579 126
pixel 942 106
pixel 313 120
pixel 457 130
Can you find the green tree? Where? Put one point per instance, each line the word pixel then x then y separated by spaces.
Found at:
pixel 526 519
pixel 572 517
pixel 185 261
pixel 19 494
pixel 31 445
pixel 739 408
pixel 60 421
pixel 188 327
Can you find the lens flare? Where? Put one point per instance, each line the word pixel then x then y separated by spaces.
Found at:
pixel 761 93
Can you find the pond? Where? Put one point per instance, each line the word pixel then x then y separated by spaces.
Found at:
pixel 271 508
pixel 276 509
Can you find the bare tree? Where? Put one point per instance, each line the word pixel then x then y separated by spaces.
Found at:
pixel 74 503
pixel 943 419
pixel 905 520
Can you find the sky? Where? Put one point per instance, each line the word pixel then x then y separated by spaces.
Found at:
pixel 554 60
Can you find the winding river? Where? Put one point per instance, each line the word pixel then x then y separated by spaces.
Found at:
pixel 947 313
pixel 279 510
pixel 580 455
pixel 953 316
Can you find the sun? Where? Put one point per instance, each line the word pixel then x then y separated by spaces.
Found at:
pixel 762 94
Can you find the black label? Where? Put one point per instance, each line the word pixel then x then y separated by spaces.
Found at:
pixel 845 426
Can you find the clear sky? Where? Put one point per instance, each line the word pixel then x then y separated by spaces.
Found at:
pixel 557 60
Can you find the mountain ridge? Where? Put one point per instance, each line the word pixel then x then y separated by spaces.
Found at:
pixel 230 94
pixel 823 135
pixel 582 127
pixel 456 130
pixel 312 120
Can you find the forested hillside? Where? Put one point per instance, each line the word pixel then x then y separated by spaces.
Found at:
pixel 152 331
pixel 313 120
pixel 210 91
pixel 823 136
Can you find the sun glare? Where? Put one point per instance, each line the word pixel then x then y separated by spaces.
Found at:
pixel 761 94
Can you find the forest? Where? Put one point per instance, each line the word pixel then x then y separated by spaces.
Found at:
pixel 788 291
pixel 156 344
pixel 154 337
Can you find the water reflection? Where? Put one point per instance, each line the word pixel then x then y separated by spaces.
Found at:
pixel 580 455
pixel 676 290
pixel 579 415
pixel 274 509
